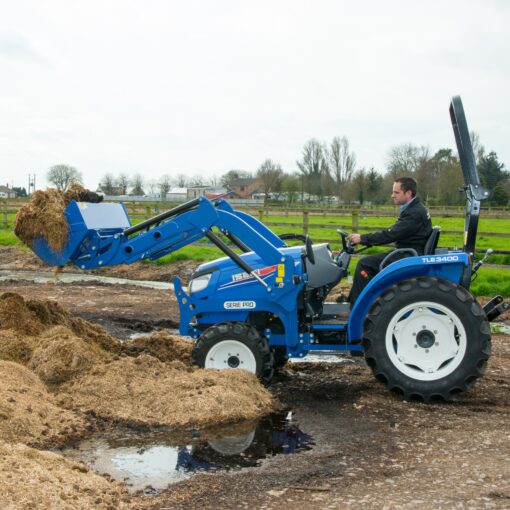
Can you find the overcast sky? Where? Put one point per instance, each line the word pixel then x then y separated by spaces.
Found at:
pixel 202 87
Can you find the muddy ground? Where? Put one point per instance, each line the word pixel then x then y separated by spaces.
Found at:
pixel 371 450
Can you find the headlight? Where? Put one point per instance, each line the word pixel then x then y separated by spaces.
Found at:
pixel 200 283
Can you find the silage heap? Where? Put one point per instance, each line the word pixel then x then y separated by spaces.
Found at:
pixel 44 215
pixel 58 372
pixel 147 381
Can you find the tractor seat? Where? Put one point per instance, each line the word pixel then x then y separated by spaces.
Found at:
pixel 431 244
pixel 429 248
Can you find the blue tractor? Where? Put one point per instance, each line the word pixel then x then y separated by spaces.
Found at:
pixel 421 331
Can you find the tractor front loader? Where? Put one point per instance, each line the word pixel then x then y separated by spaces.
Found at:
pixel 422 332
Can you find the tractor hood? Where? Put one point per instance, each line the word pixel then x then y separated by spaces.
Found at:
pixel 223 273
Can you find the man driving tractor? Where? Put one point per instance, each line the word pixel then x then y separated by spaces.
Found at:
pixel 411 230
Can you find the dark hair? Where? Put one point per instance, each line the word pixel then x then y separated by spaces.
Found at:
pixel 407 184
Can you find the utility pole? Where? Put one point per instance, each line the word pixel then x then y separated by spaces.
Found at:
pixel 31 184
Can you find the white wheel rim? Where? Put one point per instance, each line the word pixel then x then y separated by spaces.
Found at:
pixel 232 445
pixel 231 354
pixel 426 341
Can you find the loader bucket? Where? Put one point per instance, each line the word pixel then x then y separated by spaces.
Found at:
pixel 83 219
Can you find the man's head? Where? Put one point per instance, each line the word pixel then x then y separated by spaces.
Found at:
pixel 404 190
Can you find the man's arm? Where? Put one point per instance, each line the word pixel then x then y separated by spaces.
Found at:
pixel 404 227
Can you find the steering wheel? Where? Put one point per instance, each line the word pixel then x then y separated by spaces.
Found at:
pixel 346 244
pixel 348 247
pixel 309 250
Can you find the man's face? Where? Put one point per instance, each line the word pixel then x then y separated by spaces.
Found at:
pixel 399 196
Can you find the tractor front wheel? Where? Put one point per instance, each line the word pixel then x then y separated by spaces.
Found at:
pixel 427 339
pixel 234 345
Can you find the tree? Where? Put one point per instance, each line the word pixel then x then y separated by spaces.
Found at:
pixel 290 186
pixel 313 167
pixel 20 192
pixel 196 181
pixel 232 175
pixel 499 195
pixel 428 171
pixel 181 180
pixel 491 171
pixel 62 176
pixel 341 163
pixel 478 148
pixel 214 181
pixel 449 180
pixel 271 175
pixel 164 185
pixel 137 185
pixel 122 184
pixel 359 181
pixel 374 181
pixel 107 185
pixel 152 186
pixel 403 160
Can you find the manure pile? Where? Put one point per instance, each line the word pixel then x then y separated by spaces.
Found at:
pixel 40 479
pixel 149 380
pixel 58 371
pixel 44 216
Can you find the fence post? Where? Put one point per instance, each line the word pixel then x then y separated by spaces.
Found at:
pixel 261 214
pixel 147 212
pixel 4 211
pixel 305 222
pixel 355 221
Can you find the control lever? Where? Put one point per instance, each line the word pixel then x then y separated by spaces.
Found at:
pixel 480 263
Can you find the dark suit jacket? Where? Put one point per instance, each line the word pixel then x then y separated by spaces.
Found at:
pixel 412 229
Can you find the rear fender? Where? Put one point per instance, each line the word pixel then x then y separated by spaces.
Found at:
pixel 449 266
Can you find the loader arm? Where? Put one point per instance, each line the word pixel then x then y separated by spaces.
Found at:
pixel 101 235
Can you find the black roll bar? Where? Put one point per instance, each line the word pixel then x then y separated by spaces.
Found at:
pixel 475 192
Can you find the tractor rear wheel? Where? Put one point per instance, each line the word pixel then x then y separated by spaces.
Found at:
pixel 234 345
pixel 427 339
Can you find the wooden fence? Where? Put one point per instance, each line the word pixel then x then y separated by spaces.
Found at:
pixel 145 210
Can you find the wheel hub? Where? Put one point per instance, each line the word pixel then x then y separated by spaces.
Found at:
pixel 231 353
pixel 425 339
pixel 233 362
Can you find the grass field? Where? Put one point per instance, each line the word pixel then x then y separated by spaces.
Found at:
pixel 490 281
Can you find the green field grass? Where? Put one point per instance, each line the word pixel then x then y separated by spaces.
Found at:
pixel 445 240
pixel 195 253
pixel 446 223
pixel 491 281
pixel 7 238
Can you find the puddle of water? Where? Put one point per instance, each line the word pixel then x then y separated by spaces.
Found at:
pixel 323 357
pixel 46 277
pixel 153 461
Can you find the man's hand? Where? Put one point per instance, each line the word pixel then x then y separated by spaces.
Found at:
pixel 354 238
